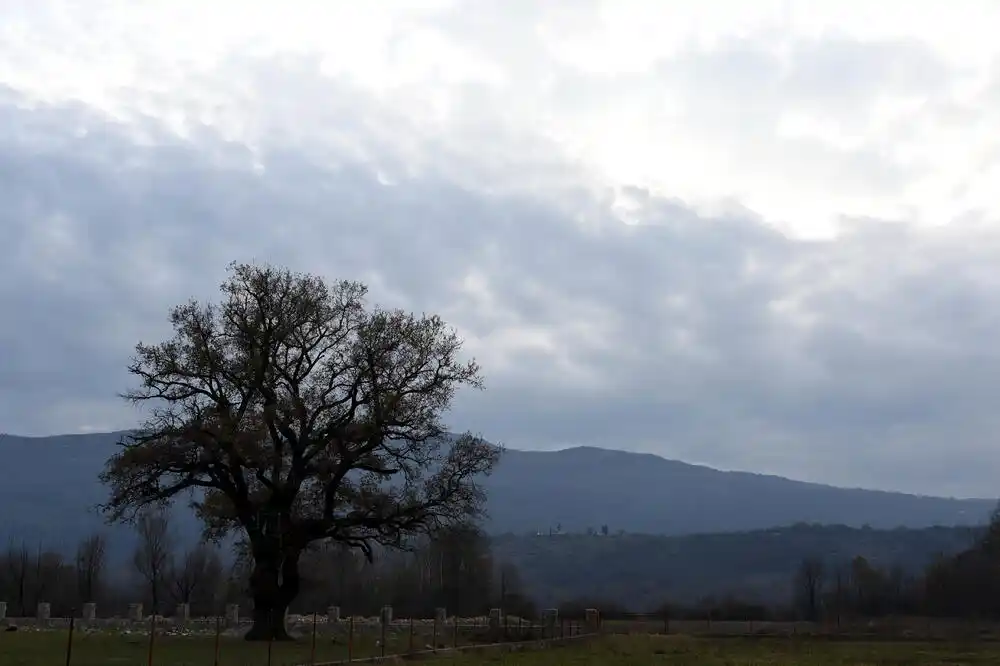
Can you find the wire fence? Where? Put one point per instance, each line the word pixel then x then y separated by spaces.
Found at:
pixel 867 628
pixel 327 639
pixel 318 639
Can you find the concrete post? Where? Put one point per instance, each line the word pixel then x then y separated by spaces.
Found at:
pixel 44 611
pixel 135 612
pixel 89 611
pixel 440 615
pixel 593 621
pixel 232 614
pixel 496 618
pixel 3 610
pixel 183 615
pixel 386 615
pixel 333 614
pixel 551 621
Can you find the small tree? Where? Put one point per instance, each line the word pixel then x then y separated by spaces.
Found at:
pixel 17 573
pixel 197 577
pixel 809 587
pixel 46 575
pixel 90 562
pixel 297 415
pixel 463 556
pixel 153 552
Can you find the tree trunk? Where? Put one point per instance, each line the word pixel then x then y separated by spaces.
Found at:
pixel 268 622
pixel 272 594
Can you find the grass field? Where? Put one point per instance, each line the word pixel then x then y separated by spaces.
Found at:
pixel 48 649
pixel 684 651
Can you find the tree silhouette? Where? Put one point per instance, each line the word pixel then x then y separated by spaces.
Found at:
pixel 294 414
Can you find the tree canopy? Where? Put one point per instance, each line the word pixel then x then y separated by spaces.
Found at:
pixel 294 413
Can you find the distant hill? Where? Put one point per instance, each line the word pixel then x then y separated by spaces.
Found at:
pixel 50 485
pixel 644 571
pixel 589 487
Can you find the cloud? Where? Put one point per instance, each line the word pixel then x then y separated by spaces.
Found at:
pixel 756 239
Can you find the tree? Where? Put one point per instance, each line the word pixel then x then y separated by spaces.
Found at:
pixel 292 413
pixel 153 553
pixel 512 597
pixel 463 560
pixel 197 578
pixel 869 587
pixel 17 571
pixel 90 561
pixel 809 587
pixel 47 574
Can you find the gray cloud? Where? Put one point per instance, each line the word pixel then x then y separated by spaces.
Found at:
pixel 865 359
pixel 666 336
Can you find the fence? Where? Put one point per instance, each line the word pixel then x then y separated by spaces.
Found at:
pixel 322 639
pixel 891 627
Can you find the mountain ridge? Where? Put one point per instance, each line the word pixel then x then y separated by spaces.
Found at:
pixel 585 449
pixel 765 475
pixel 577 489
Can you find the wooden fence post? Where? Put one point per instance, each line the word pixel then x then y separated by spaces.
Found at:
pixel 312 648
pixel 350 639
pixel 69 640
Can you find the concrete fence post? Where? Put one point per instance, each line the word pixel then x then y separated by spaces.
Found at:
pixel 44 610
pixel 386 615
pixel 183 614
pixel 592 623
pixel 333 614
pixel 88 612
pixel 440 615
pixel 550 622
pixel 496 616
pixel 3 610
pixel 135 612
pixel 233 615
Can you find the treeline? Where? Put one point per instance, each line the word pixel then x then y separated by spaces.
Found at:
pixel 160 575
pixel 462 570
pixel 961 585
pixel 640 571
pixel 456 570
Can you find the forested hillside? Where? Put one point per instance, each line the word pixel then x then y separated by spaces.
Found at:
pixel 644 570
pixel 468 569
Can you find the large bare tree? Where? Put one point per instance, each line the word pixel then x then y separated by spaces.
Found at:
pixel 296 414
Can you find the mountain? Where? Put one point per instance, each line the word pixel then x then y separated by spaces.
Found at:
pixel 50 487
pixel 587 487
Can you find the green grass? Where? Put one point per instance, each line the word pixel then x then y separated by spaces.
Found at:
pixel 27 648
pixel 682 651
pixel 48 648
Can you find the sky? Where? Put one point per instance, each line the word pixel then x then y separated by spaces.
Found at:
pixel 758 236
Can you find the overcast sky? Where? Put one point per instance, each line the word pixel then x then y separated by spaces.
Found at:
pixel 756 235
